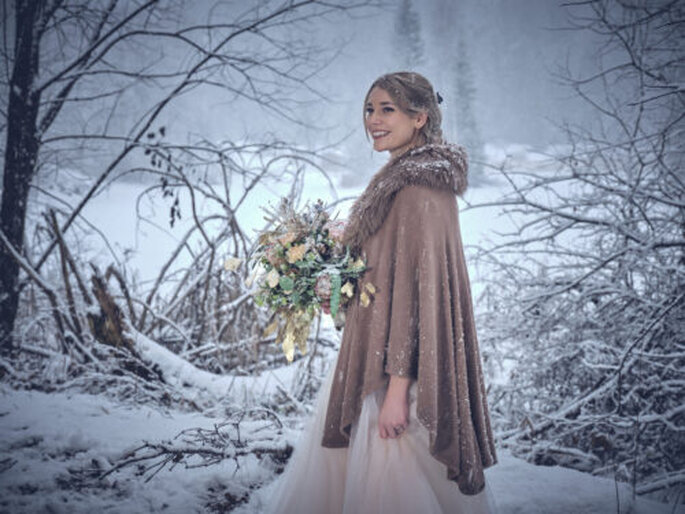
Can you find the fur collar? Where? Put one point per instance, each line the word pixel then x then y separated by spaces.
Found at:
pixel 441 166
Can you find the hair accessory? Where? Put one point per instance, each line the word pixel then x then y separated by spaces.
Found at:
pixel 439 98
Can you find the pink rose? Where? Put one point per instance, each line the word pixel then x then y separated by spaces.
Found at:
pixel 272 255
pixel 336 229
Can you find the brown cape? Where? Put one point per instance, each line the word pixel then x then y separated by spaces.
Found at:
pixel 420 320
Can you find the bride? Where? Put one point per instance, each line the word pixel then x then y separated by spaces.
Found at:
pixel 401 424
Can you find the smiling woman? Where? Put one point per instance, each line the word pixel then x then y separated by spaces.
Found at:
pixel 402 422
pixel 407 99
pixel 391 128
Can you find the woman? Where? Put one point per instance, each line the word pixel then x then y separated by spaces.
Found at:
pixel 402 422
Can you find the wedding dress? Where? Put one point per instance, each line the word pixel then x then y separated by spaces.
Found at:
pixel 371 476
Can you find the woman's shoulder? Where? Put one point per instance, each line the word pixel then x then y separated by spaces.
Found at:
pixel 421 201
pixel 438 166
pixel 451 152
pixel 420 192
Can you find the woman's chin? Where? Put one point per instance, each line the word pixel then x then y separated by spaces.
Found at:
pixel 379 147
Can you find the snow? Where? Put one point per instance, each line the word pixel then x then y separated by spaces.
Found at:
pixel 182 374
pixel 51 437
pixel 520 487
pixel 54 444
pixel 47 435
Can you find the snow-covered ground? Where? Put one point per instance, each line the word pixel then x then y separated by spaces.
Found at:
pixel 54 445
pixel 51 441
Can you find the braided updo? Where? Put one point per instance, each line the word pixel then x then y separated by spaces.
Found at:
pixel 413 94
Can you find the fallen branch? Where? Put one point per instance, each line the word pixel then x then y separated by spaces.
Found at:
pixel 237 437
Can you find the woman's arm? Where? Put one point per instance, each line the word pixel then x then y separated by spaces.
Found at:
pixel 394 416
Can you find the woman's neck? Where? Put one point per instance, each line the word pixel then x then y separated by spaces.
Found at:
pixel 416 141
pixel 399 151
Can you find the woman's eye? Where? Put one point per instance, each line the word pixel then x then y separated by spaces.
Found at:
pixel 388 109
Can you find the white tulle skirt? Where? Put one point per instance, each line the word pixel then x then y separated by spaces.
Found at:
pixel 372 475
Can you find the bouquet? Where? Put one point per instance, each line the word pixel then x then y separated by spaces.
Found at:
pixel 301 268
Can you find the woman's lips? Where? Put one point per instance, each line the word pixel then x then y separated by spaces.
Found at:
pixel 377 134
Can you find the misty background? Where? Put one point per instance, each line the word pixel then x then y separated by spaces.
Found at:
pixel 509 52
pixel 515 49
pixel 512 47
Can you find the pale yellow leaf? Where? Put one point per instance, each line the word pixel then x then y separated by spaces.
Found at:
pixel 272 278
pixel 347 289
pixel 271 328
pixel 289 345
pixel 295 253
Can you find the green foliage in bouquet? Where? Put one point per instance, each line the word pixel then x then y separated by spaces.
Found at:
pixel 302 267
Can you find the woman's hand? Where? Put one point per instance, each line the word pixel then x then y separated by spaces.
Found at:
pixel 394 416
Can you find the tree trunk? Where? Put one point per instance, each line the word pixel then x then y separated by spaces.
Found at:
pixel 21 153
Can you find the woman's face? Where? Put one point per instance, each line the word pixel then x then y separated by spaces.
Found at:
pixel 391 129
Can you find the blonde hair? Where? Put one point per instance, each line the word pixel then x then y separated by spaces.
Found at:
pixel 413 94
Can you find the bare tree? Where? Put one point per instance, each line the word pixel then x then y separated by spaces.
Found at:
pixel 467 129
pixel 456 82
pixel 207 313
pixel 66 59
pixel 407 39
pixel 587 313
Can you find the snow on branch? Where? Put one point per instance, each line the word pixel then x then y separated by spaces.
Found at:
pixel 250 432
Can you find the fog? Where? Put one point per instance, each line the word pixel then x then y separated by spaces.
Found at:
pixel 513 48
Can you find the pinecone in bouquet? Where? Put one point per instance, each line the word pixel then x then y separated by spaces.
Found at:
pixel 301 268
